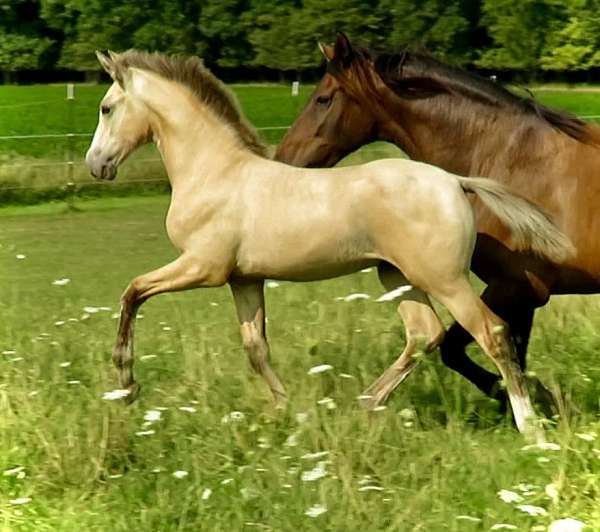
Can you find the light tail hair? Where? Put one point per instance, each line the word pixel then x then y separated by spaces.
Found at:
pixel 532 228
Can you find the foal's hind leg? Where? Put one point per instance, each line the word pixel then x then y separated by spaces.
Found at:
pixel 250 306
pixel 492 334
pixel 424 332
pixel 183 273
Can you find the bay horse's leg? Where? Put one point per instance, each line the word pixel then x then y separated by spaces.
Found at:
pixel 183 273
pixel 492 334
pixel 250 306
pixel 424 332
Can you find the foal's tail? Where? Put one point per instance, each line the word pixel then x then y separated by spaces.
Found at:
pixel 531 227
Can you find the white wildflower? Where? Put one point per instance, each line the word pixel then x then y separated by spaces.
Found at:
pixel 587 436
pixel 319 471
pixel 61 282
pixel 347 376
pixel 206 493
pixel 353 297
pixel 272 284
pixel 64 364
pixel 366 270
pixel 320 369
pixel 314 456
pixel 20 256
pixel 226 481
pixel 234 416
pixel 532 510
pixel 552 492
pixel 371 487
pixel 363 397
pixel 59 323
pixel 566 525
pixel 327 402
pixel 115 394
pixel 316 510
pixel 291 441
pixel 509 496
pixel 180 474
pixel 189 409
pixel 152 415
pixel 378 408
pixel 20 500
pixel 91 310
pixel 301 417
pixel 147 357
pixel 13 472
pixel 503 526
pixel 394 294
pixel 144 433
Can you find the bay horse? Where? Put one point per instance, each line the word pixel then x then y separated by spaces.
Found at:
pixel 467 125
pixel 238 217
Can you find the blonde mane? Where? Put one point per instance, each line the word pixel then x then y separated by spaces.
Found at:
pixel 191 72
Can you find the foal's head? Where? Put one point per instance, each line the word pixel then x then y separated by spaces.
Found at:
pixel 123 122
pixel 337 120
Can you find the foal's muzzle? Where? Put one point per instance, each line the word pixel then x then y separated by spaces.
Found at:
pixel 101 167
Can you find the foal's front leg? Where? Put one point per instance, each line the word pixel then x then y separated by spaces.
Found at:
pixel 184 273
pixel 250 305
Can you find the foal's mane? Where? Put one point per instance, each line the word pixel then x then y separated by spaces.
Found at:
pixel 418 75
pixel 204 85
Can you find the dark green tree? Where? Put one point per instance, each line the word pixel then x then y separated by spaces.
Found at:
pixel 520 30
pixel 22 39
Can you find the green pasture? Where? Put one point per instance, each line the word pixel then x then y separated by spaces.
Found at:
pixel 436 459
pixel 31 170
pixel 220 457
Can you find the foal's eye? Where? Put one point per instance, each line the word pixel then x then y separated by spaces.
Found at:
pixel 323 100
pixel 105 109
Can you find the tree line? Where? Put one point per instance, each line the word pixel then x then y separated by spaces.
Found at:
pixel 517 35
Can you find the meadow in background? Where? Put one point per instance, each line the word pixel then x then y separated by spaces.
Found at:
pixel 203 448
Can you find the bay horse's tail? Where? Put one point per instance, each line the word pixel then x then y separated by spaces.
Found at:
pixel 531 227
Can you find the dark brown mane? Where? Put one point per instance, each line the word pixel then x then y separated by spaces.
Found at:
pixel 192 73
pixel 418 75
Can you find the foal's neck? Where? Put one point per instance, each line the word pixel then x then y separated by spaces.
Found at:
pixel 193 142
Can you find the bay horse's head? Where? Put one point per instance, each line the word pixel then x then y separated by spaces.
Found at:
pixel 123 122
pixel 335 122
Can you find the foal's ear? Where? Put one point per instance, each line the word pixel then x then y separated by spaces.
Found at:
pixel 106 62
pixel 111 65
pixel 342 50
pixel 326 50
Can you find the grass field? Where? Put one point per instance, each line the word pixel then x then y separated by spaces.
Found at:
pixel 435 459
pixel 37 164
pixel 203 448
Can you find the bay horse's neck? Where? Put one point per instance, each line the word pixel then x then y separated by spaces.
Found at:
pixel 465 137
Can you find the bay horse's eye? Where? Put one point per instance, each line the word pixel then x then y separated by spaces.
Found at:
pixel 323 100
pixel 105 109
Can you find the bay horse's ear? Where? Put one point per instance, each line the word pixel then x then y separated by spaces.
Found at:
pixel 342 50
pixel 326 50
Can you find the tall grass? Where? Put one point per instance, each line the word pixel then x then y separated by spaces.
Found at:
pixel 221 457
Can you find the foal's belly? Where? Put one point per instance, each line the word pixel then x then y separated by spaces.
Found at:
pixel 296 261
